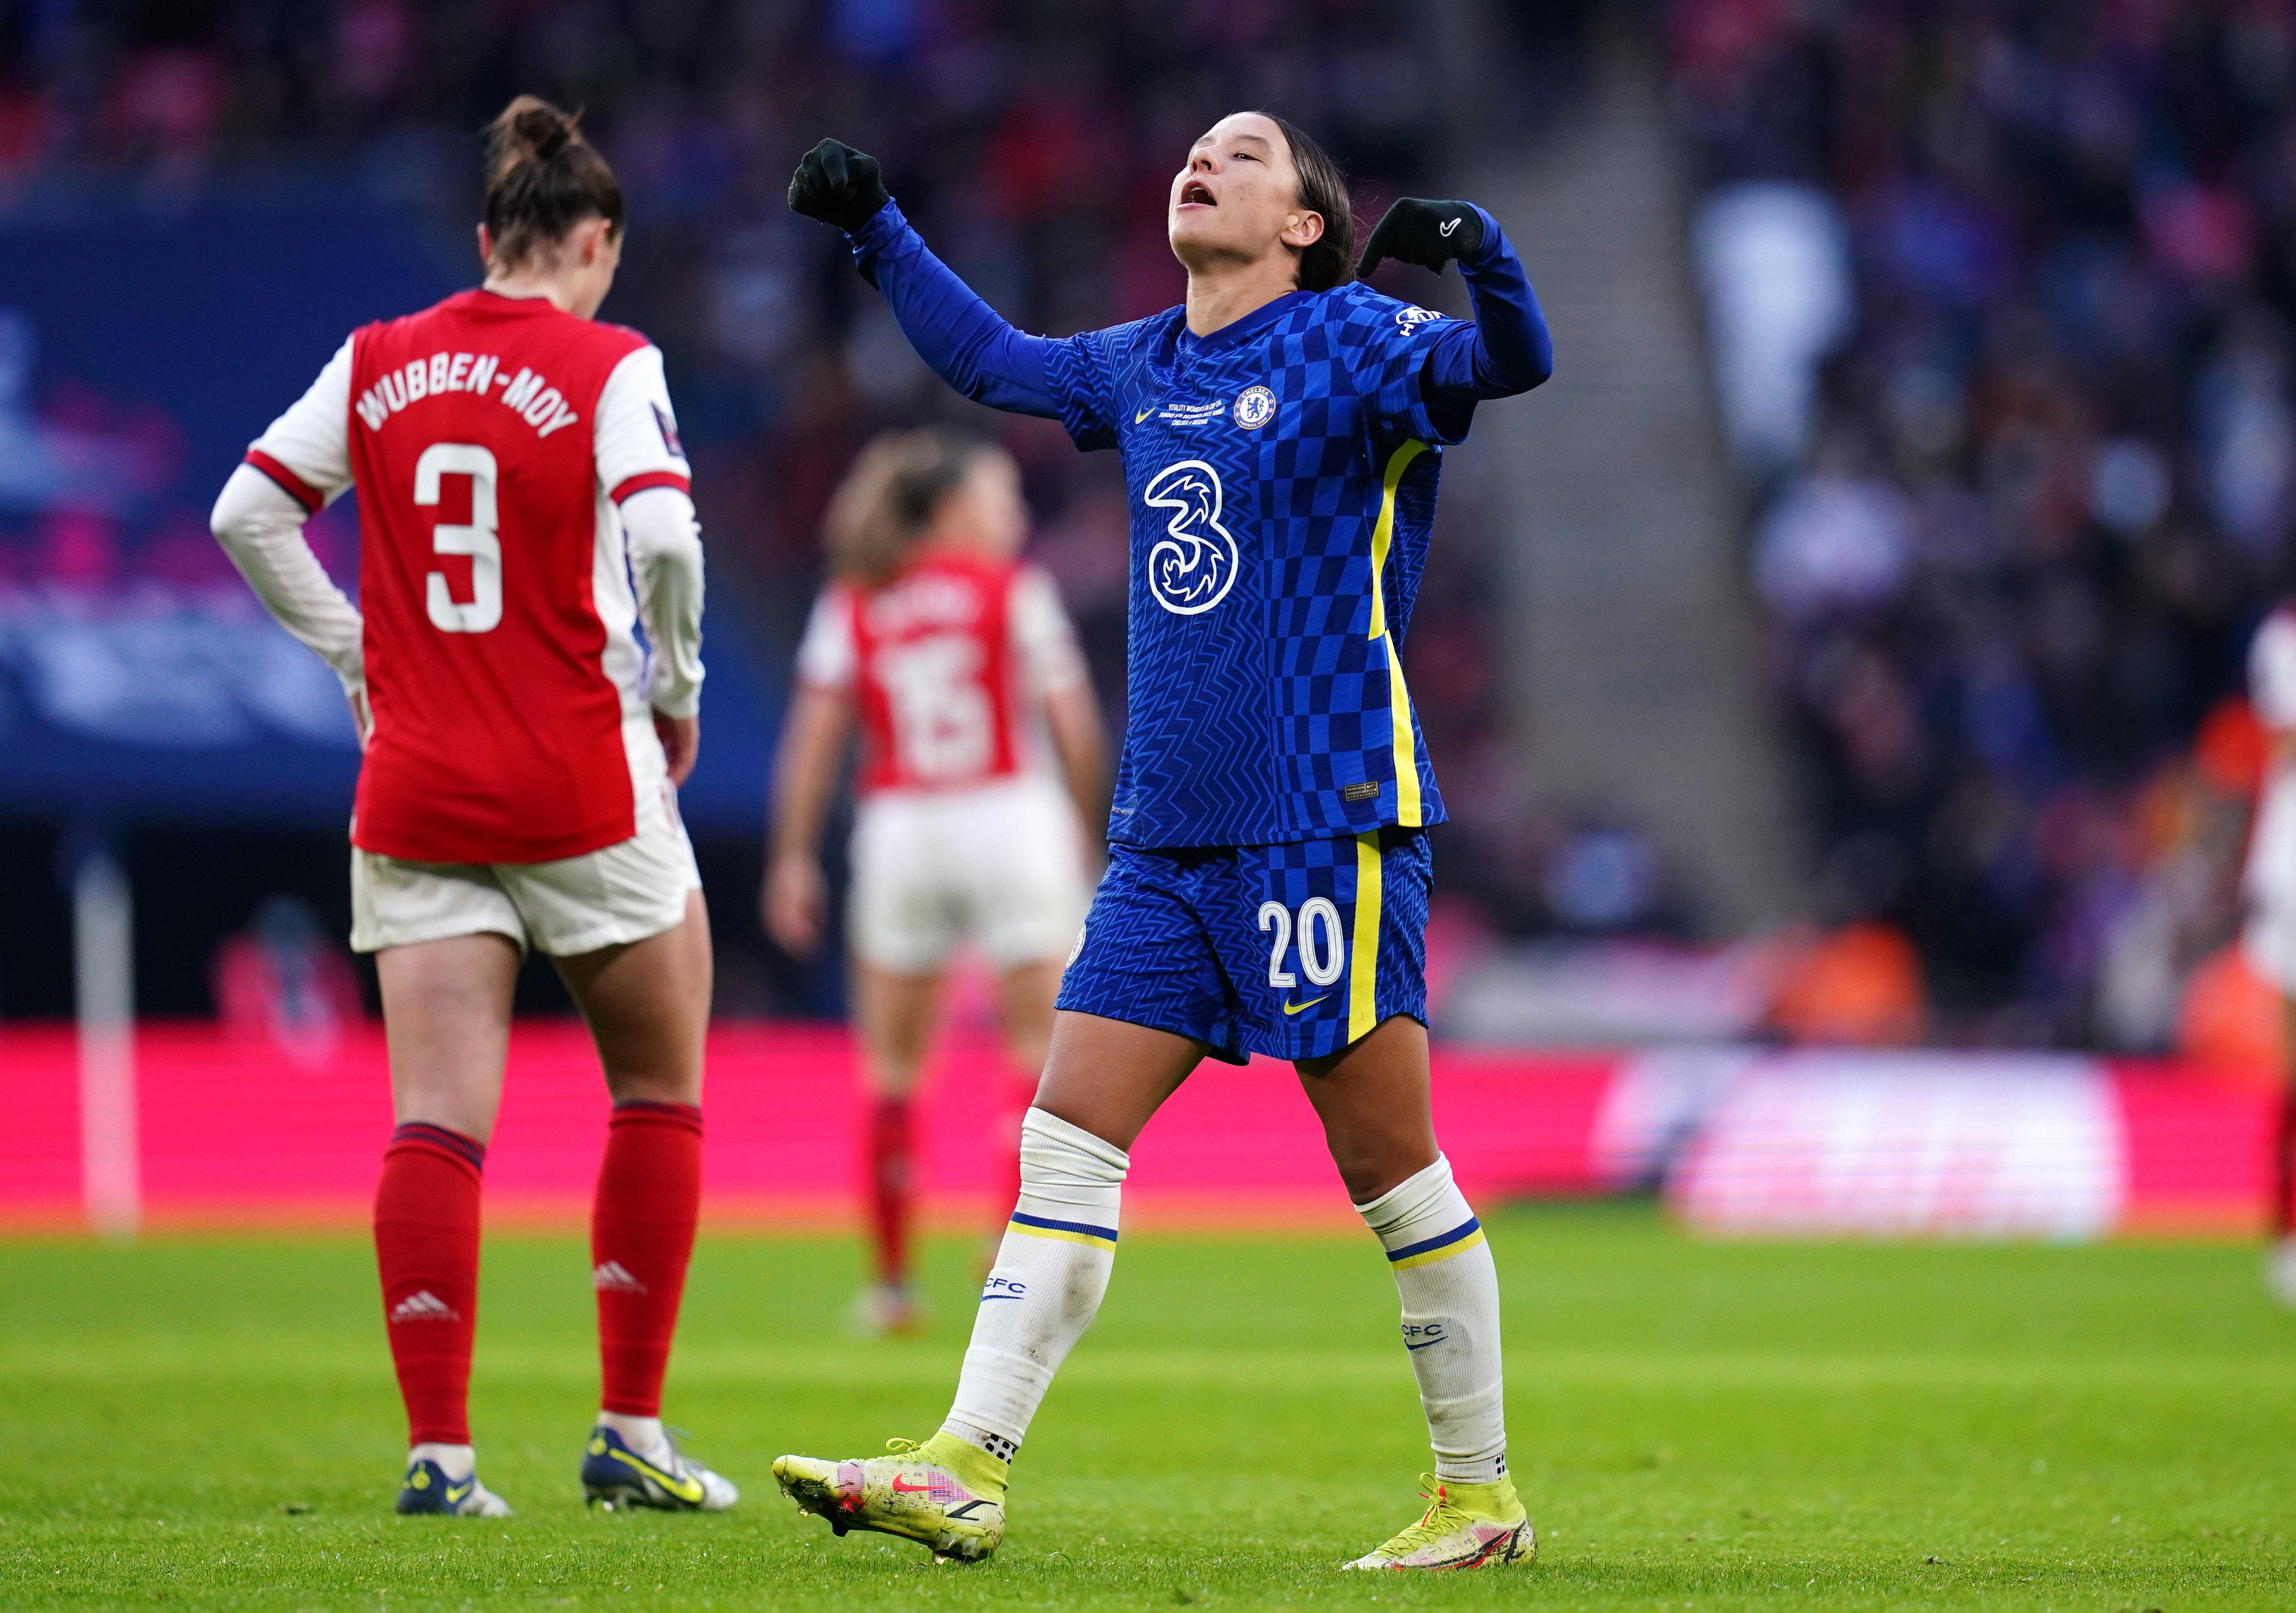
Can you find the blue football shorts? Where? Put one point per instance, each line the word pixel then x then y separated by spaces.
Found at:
pixel 1295 951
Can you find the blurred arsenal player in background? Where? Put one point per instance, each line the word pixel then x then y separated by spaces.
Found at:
pixel 962 672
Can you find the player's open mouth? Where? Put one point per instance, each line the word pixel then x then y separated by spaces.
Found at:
pixel 1196 193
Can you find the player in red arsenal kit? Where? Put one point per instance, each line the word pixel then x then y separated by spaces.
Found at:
pixel 523 504
pixel 960 670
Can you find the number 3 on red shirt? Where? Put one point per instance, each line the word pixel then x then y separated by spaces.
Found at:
pixel 478 540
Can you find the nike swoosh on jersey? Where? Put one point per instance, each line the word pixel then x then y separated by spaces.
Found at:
pixel 1143 415
pixel 1293 1008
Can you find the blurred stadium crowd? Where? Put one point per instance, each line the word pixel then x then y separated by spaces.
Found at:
pixel 2012 551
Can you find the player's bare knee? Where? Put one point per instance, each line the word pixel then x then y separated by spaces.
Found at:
pixel 1373 1160
pixel 655 1083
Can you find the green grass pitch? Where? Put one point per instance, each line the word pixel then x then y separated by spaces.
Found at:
pixel 203 1423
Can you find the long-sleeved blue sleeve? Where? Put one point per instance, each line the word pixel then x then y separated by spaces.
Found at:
pixel 964 339
pixel 1506 349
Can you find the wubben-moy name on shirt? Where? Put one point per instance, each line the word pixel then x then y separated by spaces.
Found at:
pixel 524 394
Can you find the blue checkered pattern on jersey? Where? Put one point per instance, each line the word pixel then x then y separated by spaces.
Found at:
pixel 1283 475
pixel 1180 940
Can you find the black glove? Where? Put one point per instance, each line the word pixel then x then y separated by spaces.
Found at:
pixel 838 185
pixel 1428 233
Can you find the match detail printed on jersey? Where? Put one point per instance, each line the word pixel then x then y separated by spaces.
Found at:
pixel 1283 474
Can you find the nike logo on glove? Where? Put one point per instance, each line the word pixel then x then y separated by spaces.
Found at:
pixel 1445 230
pixel 1293 1008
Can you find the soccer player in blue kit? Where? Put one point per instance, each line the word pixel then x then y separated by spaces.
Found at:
pixel 1267 890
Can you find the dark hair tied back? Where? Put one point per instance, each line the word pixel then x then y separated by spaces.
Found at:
pixel 1322 190
pixel 543 130
pixel 542 178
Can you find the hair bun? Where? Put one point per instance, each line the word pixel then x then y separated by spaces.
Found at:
pixel 540 128
pixel 542 178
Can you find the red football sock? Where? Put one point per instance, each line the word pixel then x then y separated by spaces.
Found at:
pixel 888 1187
pixel 426 1246
pixel 641 1237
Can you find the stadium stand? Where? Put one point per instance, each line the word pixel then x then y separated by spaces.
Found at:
pixel 2011 549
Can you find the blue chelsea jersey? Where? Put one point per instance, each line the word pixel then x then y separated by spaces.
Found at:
pixel 1282 477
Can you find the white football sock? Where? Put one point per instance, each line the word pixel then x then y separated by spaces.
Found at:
pixel 1450 1291
pixel 457 1461
pixel 643 1435
pixel 1051 1272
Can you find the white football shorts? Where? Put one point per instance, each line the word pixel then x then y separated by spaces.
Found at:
pixel 622 893
pixel 1000 864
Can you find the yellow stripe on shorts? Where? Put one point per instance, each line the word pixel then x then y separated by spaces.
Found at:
pixel 1362 972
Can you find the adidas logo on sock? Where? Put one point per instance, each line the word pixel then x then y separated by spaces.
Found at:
pixel 423 1306
pixel 614 1278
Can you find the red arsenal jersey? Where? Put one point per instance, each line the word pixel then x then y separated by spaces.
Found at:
pixel 491 439
pixel 943 663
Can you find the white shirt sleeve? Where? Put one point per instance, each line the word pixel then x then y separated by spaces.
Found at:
pixel 2272 672
pixel 636 437
pixel 308 450
pixel 260 525
pixel 826 658
pixel 664 549
pixel 1050 661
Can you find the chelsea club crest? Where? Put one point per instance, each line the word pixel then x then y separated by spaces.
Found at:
pixel 1255 406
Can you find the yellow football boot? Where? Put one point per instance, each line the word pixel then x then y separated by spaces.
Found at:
pixel 946 1495
pixel 1465 1526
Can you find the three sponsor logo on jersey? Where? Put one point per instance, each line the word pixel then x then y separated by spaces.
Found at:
pixel 1192 567
pixel 525 394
